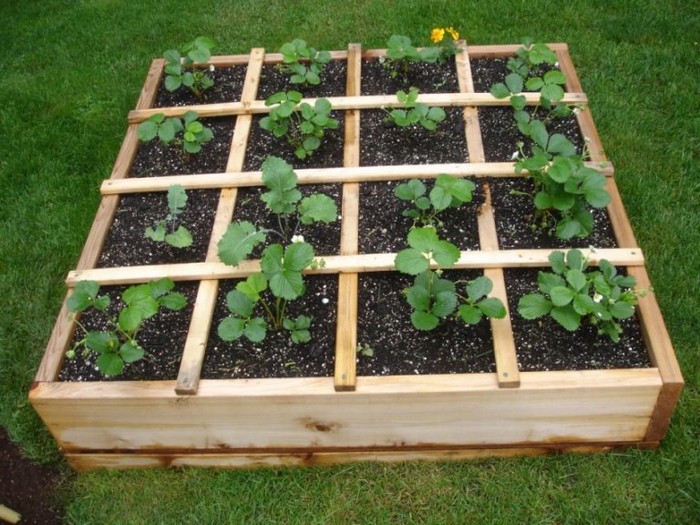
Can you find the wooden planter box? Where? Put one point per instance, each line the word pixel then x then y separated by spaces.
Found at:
pixel 345 418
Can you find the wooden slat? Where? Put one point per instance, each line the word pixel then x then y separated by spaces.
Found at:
pixel 661 354
pixel 345 103
pixel 374 262
pixel 331 175
pixel 618 217
pixel 57 346
pixel 200 324
pixel 345 368
pixel 502 332
pixel 150 87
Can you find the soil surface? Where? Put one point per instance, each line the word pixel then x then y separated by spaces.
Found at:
pixel 383 228
pixel 277 355
pixel 162 336
pixel 384 326
pixel 127 244
pixel 154 159
pixel 543 344
pixel 333 80
pixel 228 86
pixel 27 487
pixel 428 78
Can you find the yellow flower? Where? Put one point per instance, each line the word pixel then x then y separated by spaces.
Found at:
pixel 454 34
pixel 437 34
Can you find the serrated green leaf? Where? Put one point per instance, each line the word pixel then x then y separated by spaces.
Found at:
pixel 231 328
pixel 172 82
pixel 444 304
pixel 253 286
pixel 621 310
pixel 469 314
pixel 180 238
pixel 157 235
pixel 255 330
pixel 83 296
pixel 576 278
pixel 147 130
pixel 130 352
pixel 543 200
pixel 238 242
pixel 160 287
pixel 557 260
pixel 514 83
pixel 561 295
pixel 110 364
pixel 102 342
pixel 411 261
pixel 173 301
pixel 534 84
pixel 492 307
pixel 500 91
pixel 418 297
pixel 546 281
pixel 239 303
pixel 424 321
pixel 317 208
pixel 566 316
pixel 597 197
pixel 410 191
pixel 583 304
pixel 552 92
pixel 560 145
pixel 533 306
pixel 479 287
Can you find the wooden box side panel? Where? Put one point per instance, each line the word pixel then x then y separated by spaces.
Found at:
pixel 372 417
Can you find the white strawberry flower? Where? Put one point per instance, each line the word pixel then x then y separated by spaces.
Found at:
pixel 211 67
pixel 297 238
pixel 597 298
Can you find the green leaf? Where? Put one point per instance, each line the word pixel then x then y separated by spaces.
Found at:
pixel 317 208
pixel 298 256
pixel 181 238
pixel 445 303
pixel 411 261
pixel 552 92
pixel 172 56
pixel 173 301
pixel 238 242
pixel 597 197
pixel 436 114
pixel 577 279
pixel 514 83
pixel 239 303
pixel 83 296
pixel 621 310
pixel 101 342
pixel 518 102
pixel 492 307
pixel 253 286
pixel 410 191
pixel 576 260
pixel 130 352
pixel 543 200
pixel 557 262
pixel 479 287
pixel 172 83
pixel 546 281
pixel 469 314
pixel 110 364
pixel 157 235
pixel 418 297
pixel 538 133
pixel 131 317
pixel 561 295
pixel 554 77
pixel 559 144
pixel 561 169
pixel 101 303
pixel 568 228
pixel 255 329
pixel 424 321
pixel 567 317
pixel 147 130
pixel 231 328
pixel 160 287
pixel 500 91
pixel 533 306
pixel 534 84
pixel 583 304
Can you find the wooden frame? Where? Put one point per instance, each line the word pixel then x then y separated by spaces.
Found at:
pixel 190 421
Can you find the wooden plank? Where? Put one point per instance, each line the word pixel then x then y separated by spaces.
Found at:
pixel 450 410
pixel 150 87
pixel 618 217
pixel 373 262
pixel 327 175
pixel 507 50
pixel 197 336
pixel 344 103
pixel 200 323
pixel 98 232
pixel 345 374
pixel 661 354
pixel 258 459
pixel 59 340
pixel 345 366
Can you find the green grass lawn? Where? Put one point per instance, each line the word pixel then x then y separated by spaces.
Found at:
pixel 72 69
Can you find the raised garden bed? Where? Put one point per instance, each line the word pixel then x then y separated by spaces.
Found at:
pixel 494 401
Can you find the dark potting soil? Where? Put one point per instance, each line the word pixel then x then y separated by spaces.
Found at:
pixel 127 245
pixel 154 159
pixel 543 344
pixel 384 325
pixel 277 355
pixel 228 86
pixel 385 144
pixel 163 337
pixel 325 238
pixel 262 144
pixel 500 133
pixel 428 78
pixel 514 213
pixel 383 228
pixel 333 80
pixel 27 487
pixel 489 71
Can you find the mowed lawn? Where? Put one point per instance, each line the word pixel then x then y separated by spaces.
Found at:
pixel 71 70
